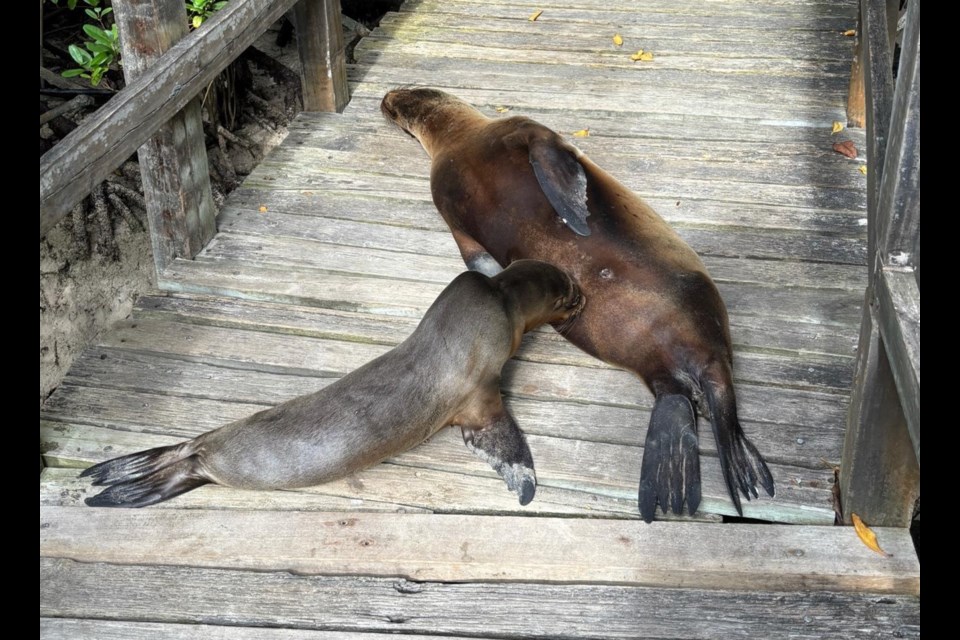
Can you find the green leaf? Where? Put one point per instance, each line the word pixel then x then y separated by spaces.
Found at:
pixel 72 73
pixel 71 4
pixel 96 47
pixel 101 60
pixel 91 13
pixel 79 55
pixel 197 21
pixel 96 33
pixel 106 11
pixel 96 76
pixel 93 3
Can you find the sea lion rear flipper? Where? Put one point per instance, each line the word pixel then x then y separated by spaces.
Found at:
pixel 563 181
pixel 504 447
pixel 475 256
pixel 168 482
pixel 670 471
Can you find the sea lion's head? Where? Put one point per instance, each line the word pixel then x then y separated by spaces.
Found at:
pixel 541 292
pixel 428 114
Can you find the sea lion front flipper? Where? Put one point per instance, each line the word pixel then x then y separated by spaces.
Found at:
pixel 504 447
pixel 670 471
pixel 563 181
pixel 474 255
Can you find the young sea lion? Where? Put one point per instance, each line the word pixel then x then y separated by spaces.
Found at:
pixel 511 188
pixel 446 373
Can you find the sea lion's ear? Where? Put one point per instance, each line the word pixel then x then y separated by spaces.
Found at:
pixel 563 181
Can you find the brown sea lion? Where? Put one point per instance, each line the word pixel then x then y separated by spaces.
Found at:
pixel 511 188
pixel 446 373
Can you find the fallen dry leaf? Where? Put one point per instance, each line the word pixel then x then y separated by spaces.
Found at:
pixel 862 169
pixel 263 209
pixel 502 109
pixel 850 32
pixel 837 127
pixel 536 14
pixel 583 133
pixel 846 148
pixel 866 535
pixel 645 56
pixel 618 40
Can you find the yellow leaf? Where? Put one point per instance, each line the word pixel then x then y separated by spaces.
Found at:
pixel 536 14
pixel 502 109
pixel 645 56
pixel 263 209
pixel 862 169
pixel 583 133
pixel 618 40
pixel 866 535
pixel 850 32
pixel 837 127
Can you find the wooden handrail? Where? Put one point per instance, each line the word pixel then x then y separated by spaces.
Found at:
pixel 71 169
pixel 880 471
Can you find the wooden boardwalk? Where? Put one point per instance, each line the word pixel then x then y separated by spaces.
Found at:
pixel 331 251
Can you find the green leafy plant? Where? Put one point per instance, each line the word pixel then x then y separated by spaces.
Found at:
pixel 101 51
pixel 199 10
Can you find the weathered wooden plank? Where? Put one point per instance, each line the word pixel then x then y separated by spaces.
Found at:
pixel 782 71
pixel 309 172
pixel 71 169
pixel 693 15
pixel 77 629
pixel 899 319
pixel 278 599
pixel 714 126
pixel 692 98
pixel 173 162
pixel 319 357
pixel 349 248
pixel 758 333
pixel 411 299
pixel 153 393
pixel 417 211
pixel 682 8
pixel 880 470
pixel 62 487
pixel 898 206
pixel 385 487
pixel 637 160
pixel 463 548
pixel 323 70
pixel 664 38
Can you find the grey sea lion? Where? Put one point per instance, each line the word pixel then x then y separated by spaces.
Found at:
pixel 511 188
pixel 446 373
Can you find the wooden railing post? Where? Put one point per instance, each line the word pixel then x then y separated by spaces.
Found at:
pixel 323 68
pixel 173 163
pixel 880 470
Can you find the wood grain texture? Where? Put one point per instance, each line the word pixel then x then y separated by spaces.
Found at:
pixel 173 162
pixel 467 548
pixel 70 170
pixel 502 610
pixel 323 69
pixel 76 629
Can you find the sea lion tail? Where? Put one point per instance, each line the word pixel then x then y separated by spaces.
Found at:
pixel 163 484
pixel 136 465
pixel 741 464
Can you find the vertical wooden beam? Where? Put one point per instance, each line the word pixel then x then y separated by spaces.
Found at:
pixel 323 68
pixel 879 472
pixel 173 163
pixel 856 106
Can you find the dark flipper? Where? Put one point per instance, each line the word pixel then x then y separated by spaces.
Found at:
pixel 504 447
pixel 741 464
pixel 563 181
pixel 168 482
pixel 670 472
pixel 133 466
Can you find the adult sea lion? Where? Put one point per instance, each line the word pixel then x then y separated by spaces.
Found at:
pixel 446 373
pixel 511 188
